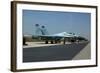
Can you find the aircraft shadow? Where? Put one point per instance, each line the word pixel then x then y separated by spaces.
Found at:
pixel 52 53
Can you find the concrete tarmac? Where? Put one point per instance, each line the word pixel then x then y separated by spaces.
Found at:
pixel 55 52
pixel 84 53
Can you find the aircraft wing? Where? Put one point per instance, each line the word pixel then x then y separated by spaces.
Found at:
pixel 56 36
pixel 63 34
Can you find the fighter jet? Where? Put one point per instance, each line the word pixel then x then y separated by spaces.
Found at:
pixel 42 33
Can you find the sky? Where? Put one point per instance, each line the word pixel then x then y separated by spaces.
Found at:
pixel 57 22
